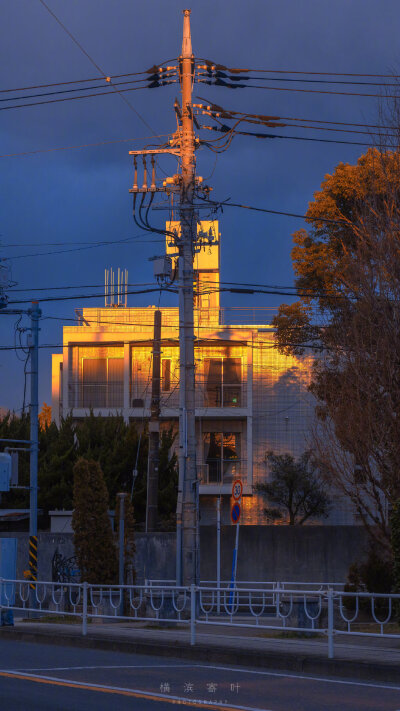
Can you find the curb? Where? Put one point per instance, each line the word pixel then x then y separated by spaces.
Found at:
pixel 272 660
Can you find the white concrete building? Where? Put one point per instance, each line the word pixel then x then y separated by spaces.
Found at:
pixel 249 398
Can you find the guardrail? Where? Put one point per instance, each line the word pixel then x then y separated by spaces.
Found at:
pixel 258 584
pixel 302 610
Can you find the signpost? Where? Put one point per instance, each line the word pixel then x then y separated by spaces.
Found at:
pixel 237 490
pixel 235 514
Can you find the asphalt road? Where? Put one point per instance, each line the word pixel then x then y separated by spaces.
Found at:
pixel 56 678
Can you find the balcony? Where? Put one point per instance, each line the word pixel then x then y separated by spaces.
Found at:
pixel 217 472
pixel 233 397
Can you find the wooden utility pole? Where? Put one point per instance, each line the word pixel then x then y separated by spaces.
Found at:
pixel 154 430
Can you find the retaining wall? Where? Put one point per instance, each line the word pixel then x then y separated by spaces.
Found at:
pixel 309 553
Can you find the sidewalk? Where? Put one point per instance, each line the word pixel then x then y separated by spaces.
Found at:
pixel 355 657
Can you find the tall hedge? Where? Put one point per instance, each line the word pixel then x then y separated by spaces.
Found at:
pixel 93 537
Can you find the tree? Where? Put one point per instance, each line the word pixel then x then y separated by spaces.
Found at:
pixel 93 538
pixel 348 274
pixel 295 489
pixel 167 480
pixel 129 538
pixel 45 416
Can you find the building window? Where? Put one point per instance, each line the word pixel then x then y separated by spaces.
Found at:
pixel 102 382
pixel 166 375
pixel 223 382
pixel 221 451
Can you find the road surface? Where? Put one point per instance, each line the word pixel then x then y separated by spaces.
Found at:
pixel 45 677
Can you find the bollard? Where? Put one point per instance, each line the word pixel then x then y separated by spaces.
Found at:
pixel 330 624
pixel 192 615
pixel 84 609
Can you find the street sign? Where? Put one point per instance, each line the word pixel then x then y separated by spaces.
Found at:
pixel 235 513
pixel 237 489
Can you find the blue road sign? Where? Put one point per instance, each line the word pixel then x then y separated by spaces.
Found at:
pixel 235 513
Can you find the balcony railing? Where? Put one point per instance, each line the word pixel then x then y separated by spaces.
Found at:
pixel 218 471
pixel 220 396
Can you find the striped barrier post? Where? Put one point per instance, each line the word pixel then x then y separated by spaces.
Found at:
pixel 33 560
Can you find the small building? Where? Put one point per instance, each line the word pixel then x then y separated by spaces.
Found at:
pixel 249 398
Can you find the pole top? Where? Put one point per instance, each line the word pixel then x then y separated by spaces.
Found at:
pixel 187 39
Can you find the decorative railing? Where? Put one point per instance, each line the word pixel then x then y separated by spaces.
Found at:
pixel 325 612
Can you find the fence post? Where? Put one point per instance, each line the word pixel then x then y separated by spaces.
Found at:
pixel 192 614
pixel 277 599
pixel 84 609
pixel 330 623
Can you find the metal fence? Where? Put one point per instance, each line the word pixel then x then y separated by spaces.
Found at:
pixel 301 610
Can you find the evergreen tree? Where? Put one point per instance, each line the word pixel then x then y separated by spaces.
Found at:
pixel 167 481
pixel 57 456
pixel 129 538
pixel 93 538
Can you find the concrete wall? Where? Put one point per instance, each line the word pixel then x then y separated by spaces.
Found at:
pixel 291 553
pixel 312 553
pixel 48 543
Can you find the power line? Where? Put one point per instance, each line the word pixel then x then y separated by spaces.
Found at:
pixel 292 138
pixel 80 249
pixel 227 203
pixel 83 50
pixel 75 81
pixel 82 145
pixel 90 296
pixel 296 71
pixel 222 75
pixel 216 109
pixel 70 91
pixel 221 82
pixel 70 98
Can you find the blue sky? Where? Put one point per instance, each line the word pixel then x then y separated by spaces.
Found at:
pixel 81 195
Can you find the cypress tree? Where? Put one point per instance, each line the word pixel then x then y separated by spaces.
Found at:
pixel 93 538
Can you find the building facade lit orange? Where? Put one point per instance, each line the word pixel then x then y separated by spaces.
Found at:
pixel 249 398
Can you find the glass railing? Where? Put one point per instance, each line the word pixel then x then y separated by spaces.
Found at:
pixel 218 471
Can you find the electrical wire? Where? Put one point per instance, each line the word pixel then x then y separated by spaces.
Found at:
pixel 296 71
pixel 220 82
pixel 79 249
pixel 292 138
pixel 82 145
pixel 83 50
pixel 227 203
pixel 71 91
pixel 71 98
pixel 215 109
pixel 76 81
pixel 222 75
pixel 87 296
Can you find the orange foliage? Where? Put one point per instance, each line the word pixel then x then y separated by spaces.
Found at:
pixel 45 416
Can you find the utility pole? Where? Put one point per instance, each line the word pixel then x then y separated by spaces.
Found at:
pixel 188 484
pixel 154 430
pixel 35 314
pixel 121 548
pixel 182 145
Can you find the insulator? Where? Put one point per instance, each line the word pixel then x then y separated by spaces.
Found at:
pixel 135 185
pixel 153 174
pixel 144 186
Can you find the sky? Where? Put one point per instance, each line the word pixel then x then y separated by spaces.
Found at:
pixel 80 195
